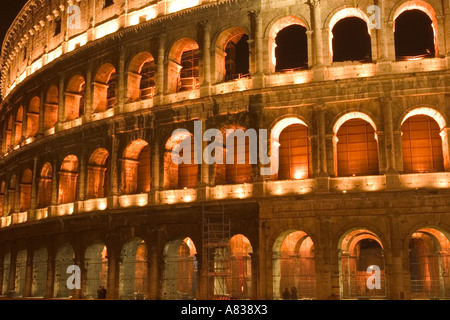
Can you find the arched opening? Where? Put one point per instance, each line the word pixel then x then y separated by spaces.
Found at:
pixel 39 283
pixel 6 270
pixel 8 135
pixel 351 40
pixel 184 66
pixel 294 275
pixel 422 145
pixel 68 175
pixel 104 88
pixel 180 270
pixel 65 257
pixel 240 284
pixel 184 174
pixel 429 264
pixel 291 48
pixel 51 107
pixel 25 190
pixel 231 268
pixel 33 117
pixel 141 77
pixel 236 167
pixel 12 194
pixel 44 197
pixel 2 197
pixel 96 266
pixel 18 126
pixel 414 35
pixel 21 266
pixel 356 148
pixel 288 45
pixel 98 174
pixel 74 98
pixel 136 168
pixel 294 153
pixel 361 254
pixel 237 57
pixel 133 270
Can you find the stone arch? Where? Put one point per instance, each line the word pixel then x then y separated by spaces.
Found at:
pixel 68 176
pixel 277 25
pixel 429 128
pixel 136 167
pixel 104 88
pixel 340 14
pixel 98 174
pixel 74 97
pixel 236 166
pixel 18 126
pixel 51 107
pixel 182 175
pixel 180 270
pixel 298 168
pixel 226 56
pixel 293 266
pixel 423 6
pixel 65 257
pixel 33 117
pixel 96 266
pixel 133 270
pixel 44 197
pixel 360 252
pixel 183 68
pixel 141 77
pixel 355 145
pixel 25 190
pixel 429 263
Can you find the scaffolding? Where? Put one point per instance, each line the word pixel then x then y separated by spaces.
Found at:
pixel 216 246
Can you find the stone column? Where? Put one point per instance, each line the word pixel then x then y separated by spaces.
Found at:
pixel 255 268
pixel 155 167
pixel 121 88
pixel 206 85
pixel 29 272
pixel 34 185
pixel 397 291
pixel 61 100
pixel 55 181
pixel 113 173
pixel 81 183
pixel 50 275
pixel 88 92
pixel 323 176
pixel 41 129
pixel 161 78
pixel 153 265
pixel 316 26
pixel 113 273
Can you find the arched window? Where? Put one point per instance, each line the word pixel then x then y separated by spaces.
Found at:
pixel 104 88
pixel 236 167
pixel 74 98
pixel 68 176
pixel 141 77
pixel 414 35
pixel 351 40
pixel 8 134
pixel 237 57
pixel 361 252
pixel 18 126
pixel 291 50
pixel 294 153
pixel 45 186
pixel 136 168
pixel 184 174
pixel 184 66
pixel 356 149
pixel 51 107
pixel 421 145
pixel 33 117
pixel 25 190
pixel 133 270
pixel 98 174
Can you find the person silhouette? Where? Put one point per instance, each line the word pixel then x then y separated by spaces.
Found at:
pixel 286 294
pixel 294 293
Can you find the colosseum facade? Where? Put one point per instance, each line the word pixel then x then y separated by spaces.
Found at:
pixel 93 90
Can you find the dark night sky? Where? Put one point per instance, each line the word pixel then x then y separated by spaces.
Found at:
pixel 8 12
